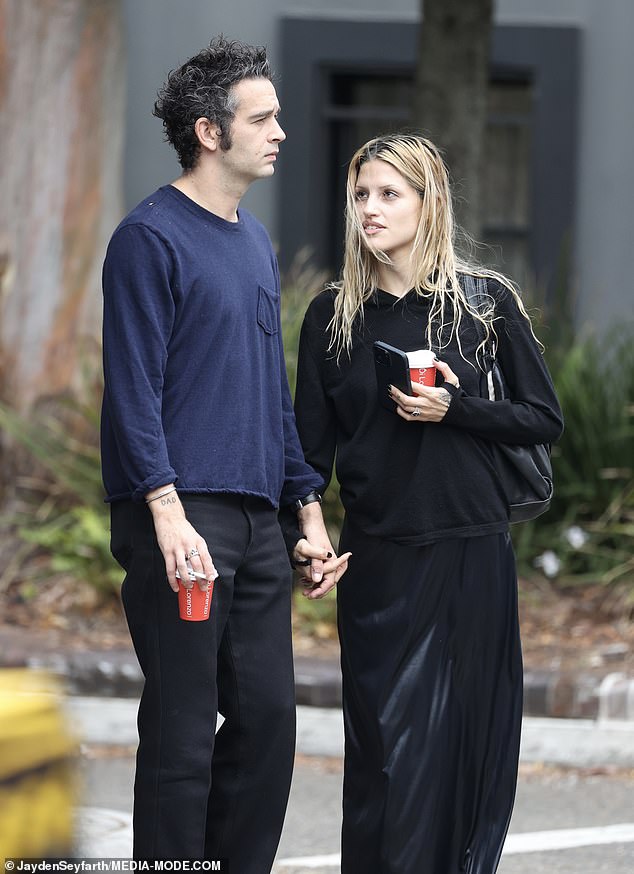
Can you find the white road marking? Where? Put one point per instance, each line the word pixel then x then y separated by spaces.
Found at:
pixel 332 861
pixel 516 844
pixel 103 832
pixel 568 838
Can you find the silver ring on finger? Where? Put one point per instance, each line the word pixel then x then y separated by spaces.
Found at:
pixel 415 412
pixel 192 551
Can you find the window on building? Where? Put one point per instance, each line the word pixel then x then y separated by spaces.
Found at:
pixel 362 105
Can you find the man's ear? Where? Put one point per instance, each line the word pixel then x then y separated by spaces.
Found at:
pixel 208 134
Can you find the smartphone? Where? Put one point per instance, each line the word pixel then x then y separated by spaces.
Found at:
pixel 392 368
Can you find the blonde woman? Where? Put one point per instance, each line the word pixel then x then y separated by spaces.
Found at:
pixel 430 647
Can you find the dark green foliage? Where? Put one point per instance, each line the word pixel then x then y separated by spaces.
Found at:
pixel 60 517
pixel 590 527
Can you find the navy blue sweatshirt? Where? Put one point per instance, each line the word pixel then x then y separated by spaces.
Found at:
pixel 195 382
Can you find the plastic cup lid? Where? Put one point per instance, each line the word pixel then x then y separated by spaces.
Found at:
pixel 421 358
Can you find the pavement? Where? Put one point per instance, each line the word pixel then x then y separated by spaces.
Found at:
pixel 579 743
pixel 603 695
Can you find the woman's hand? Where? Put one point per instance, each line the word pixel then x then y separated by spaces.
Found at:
pixel 429 404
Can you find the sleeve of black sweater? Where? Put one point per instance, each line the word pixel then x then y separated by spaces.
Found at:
pixel 532 413
pixel 315 419
pixel 314 411
pixel 299 479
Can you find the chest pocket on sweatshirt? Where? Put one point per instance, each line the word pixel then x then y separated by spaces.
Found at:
pixel 267 309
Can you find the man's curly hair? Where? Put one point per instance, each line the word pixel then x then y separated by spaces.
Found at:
pixel 201 88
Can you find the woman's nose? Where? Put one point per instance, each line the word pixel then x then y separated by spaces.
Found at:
pixel 370 205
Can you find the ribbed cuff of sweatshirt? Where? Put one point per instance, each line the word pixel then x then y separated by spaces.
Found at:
pixel 454 407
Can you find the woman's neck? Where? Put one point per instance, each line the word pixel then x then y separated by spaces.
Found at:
pixel 394 280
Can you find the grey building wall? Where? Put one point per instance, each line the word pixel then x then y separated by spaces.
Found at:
pixel 605 177
pixel 161 34
pixel 605 229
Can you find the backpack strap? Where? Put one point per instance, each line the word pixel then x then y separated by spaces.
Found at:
pixel 476 292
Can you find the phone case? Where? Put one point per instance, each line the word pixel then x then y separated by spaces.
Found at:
pixel 392 368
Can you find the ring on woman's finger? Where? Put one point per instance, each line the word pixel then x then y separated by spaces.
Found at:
pixel 415 412
pixel 192 551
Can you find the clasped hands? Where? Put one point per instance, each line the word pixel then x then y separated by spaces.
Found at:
pixel 319 567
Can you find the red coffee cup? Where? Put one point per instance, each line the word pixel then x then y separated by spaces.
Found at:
pixel 193 604
pixel 422 367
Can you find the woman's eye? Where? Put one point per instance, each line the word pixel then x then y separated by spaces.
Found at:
pixel 389 194
pixel 360 195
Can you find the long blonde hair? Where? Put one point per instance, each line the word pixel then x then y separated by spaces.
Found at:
pixel 435 264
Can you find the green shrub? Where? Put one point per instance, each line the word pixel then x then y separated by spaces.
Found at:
pixel 588 534
pixel 315 618
pixel 78 543
pixel 61 519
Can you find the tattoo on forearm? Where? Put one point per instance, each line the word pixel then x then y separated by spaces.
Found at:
pixel 166 501
pixel 444 397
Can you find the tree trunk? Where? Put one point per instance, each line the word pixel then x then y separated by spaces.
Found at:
pixel 451 92
pixel 61 116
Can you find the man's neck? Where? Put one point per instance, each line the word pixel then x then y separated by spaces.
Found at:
pixel 208 191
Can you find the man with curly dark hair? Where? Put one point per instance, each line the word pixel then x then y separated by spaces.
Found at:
pixel 199 451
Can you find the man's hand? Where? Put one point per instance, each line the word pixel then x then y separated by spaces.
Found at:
pixel 321 569
pixel 179 541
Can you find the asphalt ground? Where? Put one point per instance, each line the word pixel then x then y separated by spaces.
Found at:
pixel 574 809
pixel 566 820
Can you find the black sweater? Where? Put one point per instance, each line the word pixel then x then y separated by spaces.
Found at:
pixel 414 482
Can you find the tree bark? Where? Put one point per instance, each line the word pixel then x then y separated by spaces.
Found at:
pixel 61 116
pixel 451 94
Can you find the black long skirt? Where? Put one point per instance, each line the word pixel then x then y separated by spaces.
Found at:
pixel 432 691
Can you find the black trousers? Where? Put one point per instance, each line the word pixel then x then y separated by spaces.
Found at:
pixel 432 695
pixel 197 794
